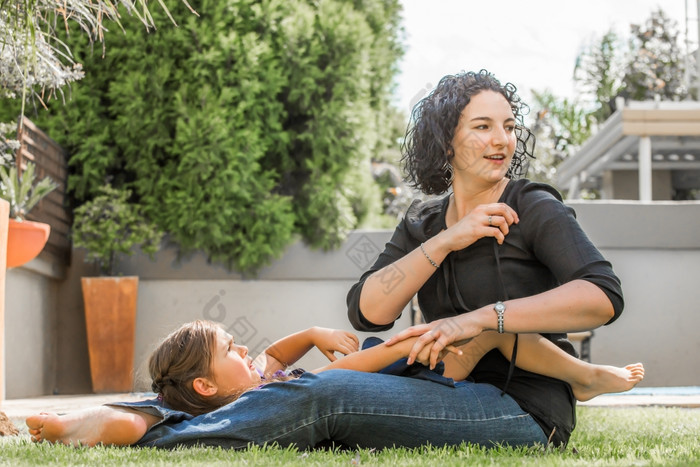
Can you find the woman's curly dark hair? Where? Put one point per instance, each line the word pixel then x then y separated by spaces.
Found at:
pixel 427 146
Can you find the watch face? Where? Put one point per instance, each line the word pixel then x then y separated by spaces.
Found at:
pixel 499 307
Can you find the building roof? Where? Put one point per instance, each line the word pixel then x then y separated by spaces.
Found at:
pixel 673 129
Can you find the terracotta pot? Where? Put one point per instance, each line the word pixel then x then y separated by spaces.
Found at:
pixel 25 240
pixel 110 320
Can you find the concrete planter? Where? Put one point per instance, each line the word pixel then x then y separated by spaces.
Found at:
pixel 110 320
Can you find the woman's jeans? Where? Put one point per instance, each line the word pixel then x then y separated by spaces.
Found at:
pixel 354 409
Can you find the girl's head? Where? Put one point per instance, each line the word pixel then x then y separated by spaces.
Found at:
pixel 198 368
pixel 428 151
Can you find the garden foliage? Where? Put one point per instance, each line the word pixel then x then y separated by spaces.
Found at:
pixel 240 128
pixel 109 225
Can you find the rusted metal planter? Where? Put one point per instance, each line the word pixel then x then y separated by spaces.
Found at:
pixel 110 319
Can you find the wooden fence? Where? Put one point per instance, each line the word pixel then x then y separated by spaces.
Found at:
pixel 50 160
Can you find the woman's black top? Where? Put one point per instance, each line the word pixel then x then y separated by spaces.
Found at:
pixel 545 249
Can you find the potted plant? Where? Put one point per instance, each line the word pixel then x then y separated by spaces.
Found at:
pixel 108 226
pixel 25 239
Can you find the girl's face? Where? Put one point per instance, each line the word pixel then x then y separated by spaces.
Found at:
pixel 484 141
pixel 232 367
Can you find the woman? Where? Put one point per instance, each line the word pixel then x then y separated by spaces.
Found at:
pixel 493 254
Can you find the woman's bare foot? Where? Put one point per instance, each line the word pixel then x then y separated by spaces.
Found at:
pixel 98 425
pixel 608 379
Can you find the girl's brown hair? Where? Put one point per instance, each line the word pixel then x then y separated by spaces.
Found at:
pixel 184 355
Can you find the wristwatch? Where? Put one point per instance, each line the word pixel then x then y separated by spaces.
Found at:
pixel 500 308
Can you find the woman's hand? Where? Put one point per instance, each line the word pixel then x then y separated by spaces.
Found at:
pixel 330 341
pixel 423 356
pixel 438 337
pixel 485 220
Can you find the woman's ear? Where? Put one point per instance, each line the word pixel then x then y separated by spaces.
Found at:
pixel 204 387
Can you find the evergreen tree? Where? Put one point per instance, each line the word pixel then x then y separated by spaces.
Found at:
pixel 656 66
pixel 599 75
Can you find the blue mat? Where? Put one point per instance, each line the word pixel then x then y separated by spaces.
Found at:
pixel 662 391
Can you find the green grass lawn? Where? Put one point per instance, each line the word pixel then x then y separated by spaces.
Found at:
pixel 604 436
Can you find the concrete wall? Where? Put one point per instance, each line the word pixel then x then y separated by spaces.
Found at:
pixel 302 289
pixel 4 230
pixel 655 249
pixel 30 338
pixel 45 341
pixel 48 348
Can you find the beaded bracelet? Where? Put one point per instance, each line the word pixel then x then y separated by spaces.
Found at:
pixel 429 258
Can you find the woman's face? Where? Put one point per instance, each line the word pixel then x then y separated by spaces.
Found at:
pixel 232 367
pixel 484 140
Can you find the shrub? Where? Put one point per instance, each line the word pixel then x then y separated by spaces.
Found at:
pixel 109 225
pixel 237 130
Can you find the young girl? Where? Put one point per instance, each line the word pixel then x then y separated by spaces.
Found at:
pixel 199 368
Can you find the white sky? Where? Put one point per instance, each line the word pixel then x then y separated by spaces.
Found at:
pixel 531 43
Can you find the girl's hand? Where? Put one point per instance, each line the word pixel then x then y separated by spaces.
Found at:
pixel 437 337
pixel 330 341
pixel 485 220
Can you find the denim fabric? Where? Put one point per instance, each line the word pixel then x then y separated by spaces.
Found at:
pixel 355 409
pixel 414 370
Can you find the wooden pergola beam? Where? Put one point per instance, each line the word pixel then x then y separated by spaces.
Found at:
pixel 661 122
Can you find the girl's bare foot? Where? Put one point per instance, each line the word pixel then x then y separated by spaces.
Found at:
pixel 609 379
pixel 458 367
pixel 106 425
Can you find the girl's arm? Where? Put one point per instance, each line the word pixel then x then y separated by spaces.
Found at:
pixel 286 351
pixel 376 358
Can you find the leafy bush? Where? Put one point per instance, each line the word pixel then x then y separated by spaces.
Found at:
pixel 108 225
pixel 238 129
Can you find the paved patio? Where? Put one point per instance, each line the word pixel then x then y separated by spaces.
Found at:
pixel 19 409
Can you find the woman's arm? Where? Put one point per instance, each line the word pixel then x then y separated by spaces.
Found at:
pixel 575 306
pixel 387 291
pixel 578 305
pixel 286 351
